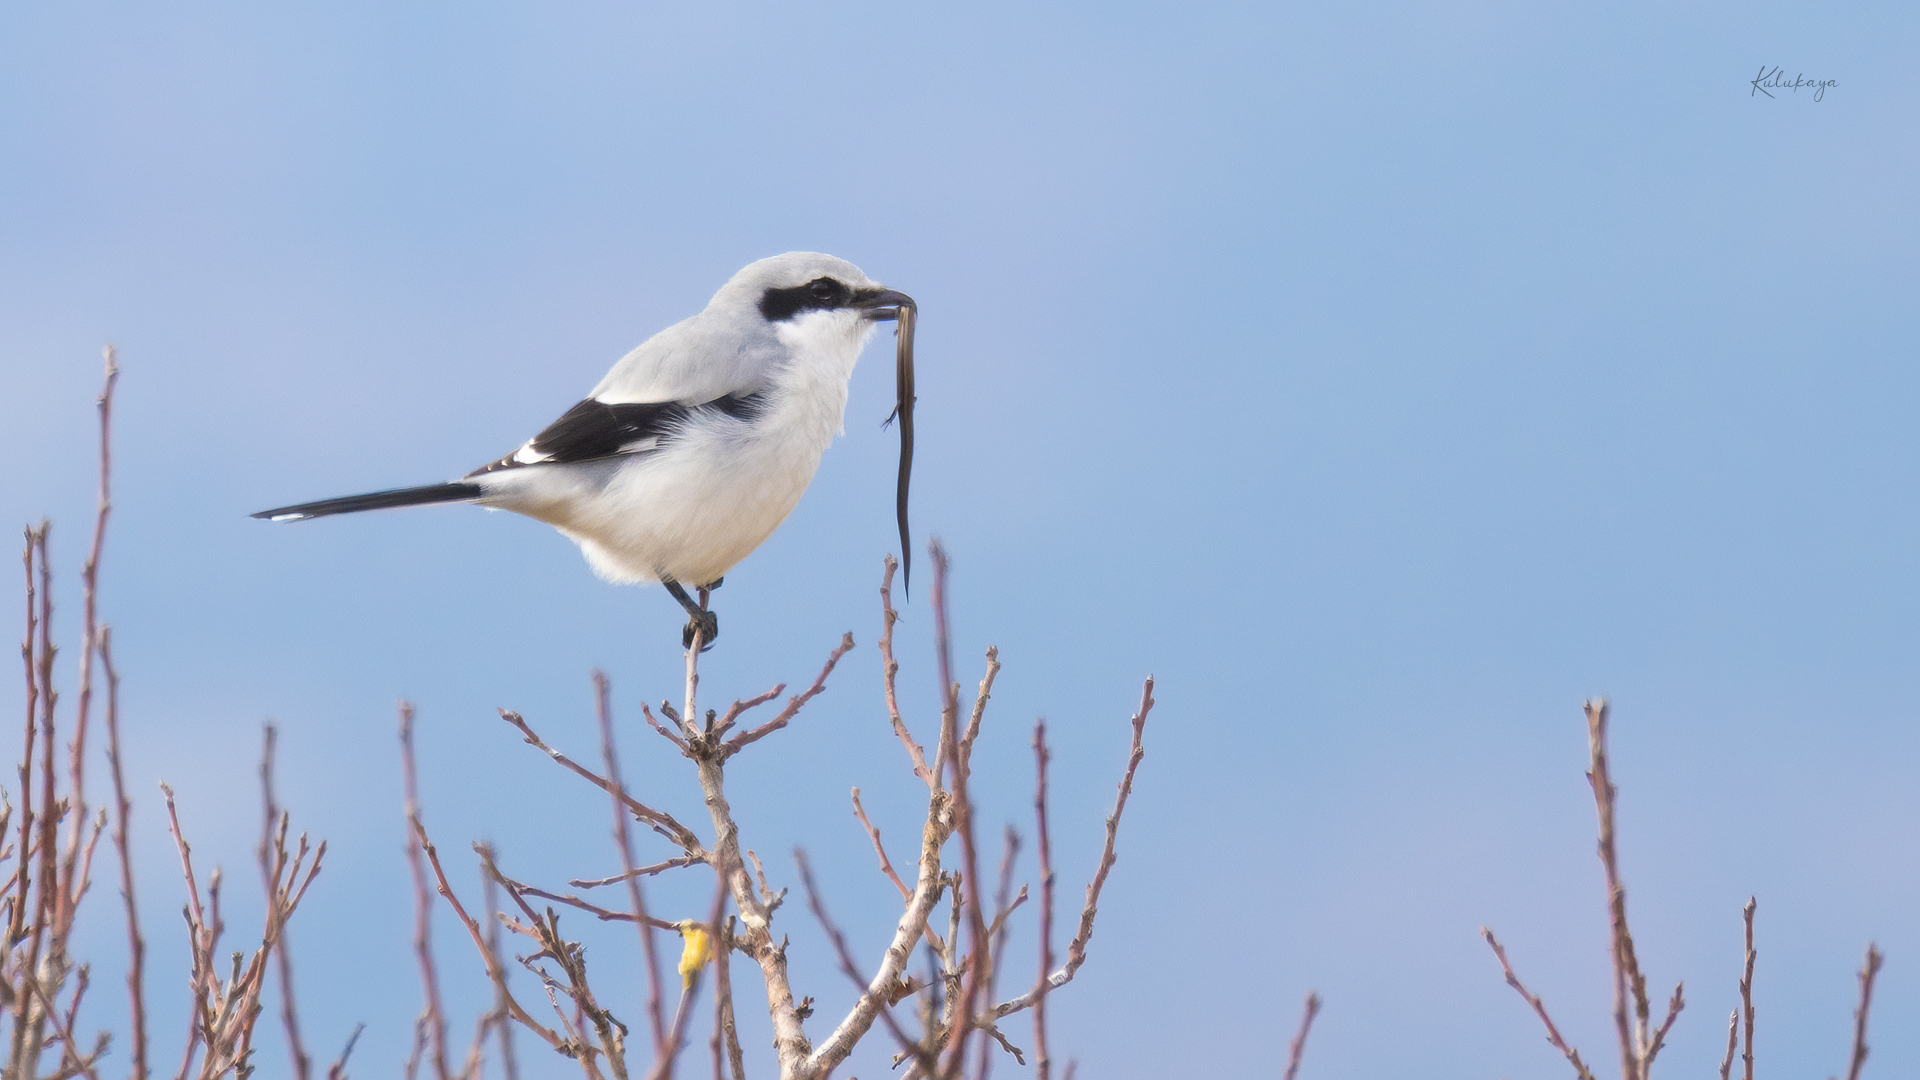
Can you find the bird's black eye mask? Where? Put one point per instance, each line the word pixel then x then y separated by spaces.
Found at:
pixel 820 294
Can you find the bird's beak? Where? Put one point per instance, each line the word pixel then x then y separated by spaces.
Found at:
pixel 879 305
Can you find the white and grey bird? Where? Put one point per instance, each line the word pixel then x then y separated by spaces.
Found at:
pixel 698 443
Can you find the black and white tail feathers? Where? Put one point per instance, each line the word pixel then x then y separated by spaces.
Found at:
pixel 377 500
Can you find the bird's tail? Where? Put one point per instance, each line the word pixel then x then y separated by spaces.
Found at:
pixel 377 500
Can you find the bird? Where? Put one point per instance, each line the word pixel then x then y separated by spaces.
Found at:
pixel 699 442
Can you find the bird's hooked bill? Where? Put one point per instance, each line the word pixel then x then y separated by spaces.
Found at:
pixel 889 304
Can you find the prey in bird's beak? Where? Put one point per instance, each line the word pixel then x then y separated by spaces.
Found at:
pixel 880 305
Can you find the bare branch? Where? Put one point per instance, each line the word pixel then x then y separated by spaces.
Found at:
pixel 959 770
pixel 89 643
pixel 433 1021
pixel 520 889
pixel 1553 1033
pixel 1077 948
pixel 123 810
pixel 980 699
pixel 603 709
pixel 338 1070
pixel 724 1028
pixel 1628 983
pixel 270 813
pixel 886 864
pixel 638 871
pixel 494 972
pixel 890 668
pixel 1004 904
pixel 1043 1061
pixel 740 741
pixel 677 832
pixel 664 733
pixel 1868 972
pixel 1733 1044
pixel 914 1047
pixel 739 707
pixel 1746 986
pixel 1298 1047
pixel 1652 1048
pixel 72 1063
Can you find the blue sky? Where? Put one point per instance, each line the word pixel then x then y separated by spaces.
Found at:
pixel 1385 380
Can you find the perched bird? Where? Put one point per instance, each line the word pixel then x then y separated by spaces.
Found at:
pixel 698 443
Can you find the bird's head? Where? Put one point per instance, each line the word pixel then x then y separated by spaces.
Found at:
pixel 808 293
pixel 808 296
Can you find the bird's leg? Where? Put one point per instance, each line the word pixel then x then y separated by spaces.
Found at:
pixel 699 619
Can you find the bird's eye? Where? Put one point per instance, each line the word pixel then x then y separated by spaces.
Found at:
pixel 824 288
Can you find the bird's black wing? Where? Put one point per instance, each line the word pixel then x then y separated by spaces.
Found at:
pixel 596 429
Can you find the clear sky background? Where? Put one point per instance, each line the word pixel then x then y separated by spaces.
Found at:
pixel 1384 379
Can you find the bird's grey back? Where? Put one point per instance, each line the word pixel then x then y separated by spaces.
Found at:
pixel 696 360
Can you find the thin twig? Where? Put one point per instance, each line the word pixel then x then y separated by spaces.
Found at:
pixel 433 1021
pixel 724 1028
pixel 889 669
pixel 1867 973
pixel 1539 1008
pixel 1733 1044
pixel 638 871
pixel 603 914
pixel 89 638
pixel 201 937
pixel 1043 1061
pixel 1298 1047
pixel 1077 948
pixel 1003 906
pixel 604 711
pixel 959 769
pixel 496 967
pixel 1651 1048
pixel 739 707
pixel 71 1061
pixel 123 809
pixel 675 831
pixel 473 929
pixel 1746 986
pixel 886 864
pixel 289 1011
pixel 23 850
pixel 670 736
pixel 1627 983
pixel 740 741
pixel 419 833
pixel 338 1070
pixel 981 697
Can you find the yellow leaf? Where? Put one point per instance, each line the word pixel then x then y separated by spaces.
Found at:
pixel 696 952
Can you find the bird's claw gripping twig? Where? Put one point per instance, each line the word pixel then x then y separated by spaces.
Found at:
pixel 706 624
pixel 699 619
